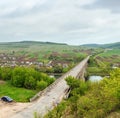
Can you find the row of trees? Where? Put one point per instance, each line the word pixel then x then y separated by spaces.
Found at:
pixel 73 59
pixel 25 77
pixel 55 69
pixel 90 100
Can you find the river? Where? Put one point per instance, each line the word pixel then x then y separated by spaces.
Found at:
pixel 95 78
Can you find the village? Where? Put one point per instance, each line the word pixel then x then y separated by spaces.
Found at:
pixel 10 60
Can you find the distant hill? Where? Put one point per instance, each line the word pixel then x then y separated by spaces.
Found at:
pixel 31 43
pixel 111 45
pixel 91 45
pixel 26 44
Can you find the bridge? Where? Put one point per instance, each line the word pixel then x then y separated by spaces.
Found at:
pixel 52 95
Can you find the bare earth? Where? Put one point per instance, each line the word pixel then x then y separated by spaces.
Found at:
pixel 8 109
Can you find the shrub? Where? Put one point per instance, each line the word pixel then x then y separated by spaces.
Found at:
pixel 5 73
pixel 18 76
pixel 30 83
pixel 41 85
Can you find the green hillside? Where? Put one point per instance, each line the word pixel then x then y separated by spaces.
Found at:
pixel 111 45
pixel 43 50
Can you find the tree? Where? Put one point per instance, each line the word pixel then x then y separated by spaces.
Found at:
pixel 41 85
pixel 30 83
pixel 6 73
pixel 18 76
pixel 58 69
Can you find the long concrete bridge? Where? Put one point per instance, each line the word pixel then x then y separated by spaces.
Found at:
pixel 51 95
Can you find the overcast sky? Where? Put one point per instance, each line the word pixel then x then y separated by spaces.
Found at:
pixel 66 21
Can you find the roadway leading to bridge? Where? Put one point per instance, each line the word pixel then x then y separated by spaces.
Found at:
pixel 53 96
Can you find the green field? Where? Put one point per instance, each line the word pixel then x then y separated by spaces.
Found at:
pixel 110 53
pixel 101 63
pixel 39 50
pixel 17 94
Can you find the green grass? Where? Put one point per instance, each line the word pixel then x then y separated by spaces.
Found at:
pixel 110 53
pixel 18 94
pixel 109 57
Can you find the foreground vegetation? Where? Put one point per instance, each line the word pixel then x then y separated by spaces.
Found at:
pixel 90 100
pixel 21 83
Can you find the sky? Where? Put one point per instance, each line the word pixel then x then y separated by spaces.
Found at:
pixel 73 22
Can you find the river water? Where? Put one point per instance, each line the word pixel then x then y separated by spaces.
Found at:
pixel 95 78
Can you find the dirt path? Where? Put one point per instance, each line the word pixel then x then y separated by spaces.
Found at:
pixel 9 109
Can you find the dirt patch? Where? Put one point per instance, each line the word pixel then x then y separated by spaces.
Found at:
pixel 2 82
pixel 114 115
pixel 7 110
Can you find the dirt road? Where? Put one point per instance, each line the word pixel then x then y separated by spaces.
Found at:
pixel 9 109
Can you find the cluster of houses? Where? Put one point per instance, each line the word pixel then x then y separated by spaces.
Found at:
pixel 10 60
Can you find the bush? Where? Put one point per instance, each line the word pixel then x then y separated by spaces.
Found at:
pixel 25 77
pixel 30 83
pixel 41 85
pixel 18 77
pixel 77 86
pixel 5 73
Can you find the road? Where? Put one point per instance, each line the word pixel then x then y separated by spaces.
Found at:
pixel 52 97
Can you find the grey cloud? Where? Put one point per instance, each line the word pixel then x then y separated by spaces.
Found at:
pixel 113 5
pixel 36 8
pixel 58 21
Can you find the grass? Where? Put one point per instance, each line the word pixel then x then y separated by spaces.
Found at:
pixel 108 57
pixel 102 63
pixel 110 53
pixel 18 94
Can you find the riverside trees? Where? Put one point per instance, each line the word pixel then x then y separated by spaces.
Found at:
pixel 25 77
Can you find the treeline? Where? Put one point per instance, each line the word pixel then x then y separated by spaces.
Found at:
pixel 71 60
pixel 56 69
pixel 25 77
pixel 90 100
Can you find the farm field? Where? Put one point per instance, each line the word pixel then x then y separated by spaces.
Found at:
pixel 102 63
pixel 42 51
pixel 110 56
pixel 108 53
